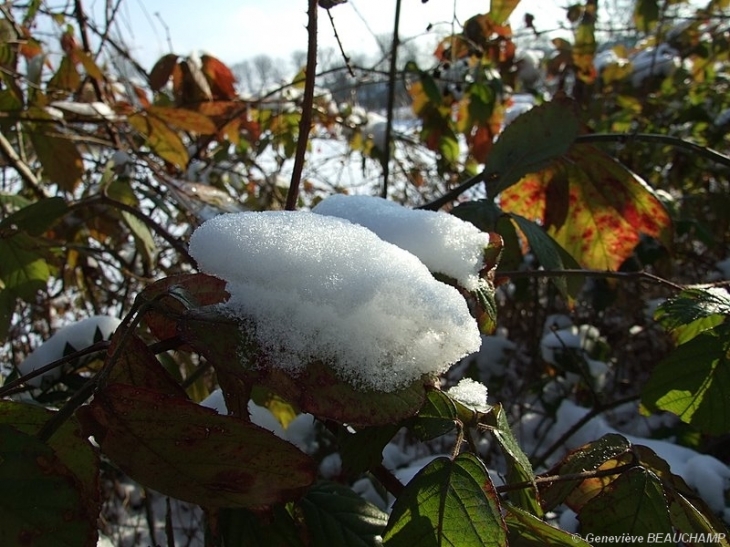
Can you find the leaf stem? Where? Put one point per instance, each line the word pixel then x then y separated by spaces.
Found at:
pixel 305 122
pixel 641 275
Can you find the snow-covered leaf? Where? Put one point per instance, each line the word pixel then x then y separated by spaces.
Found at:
pixel 335 515
pixel 191 453
pixel 693 382
pixel 449 502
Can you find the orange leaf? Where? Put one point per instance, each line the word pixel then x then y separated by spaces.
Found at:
pixel 220 78
pixel 182 118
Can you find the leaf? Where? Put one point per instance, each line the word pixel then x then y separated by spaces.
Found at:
pixel 37 217
pixel 161 72
pixel 693 382
pixel 605 207
pixel 191 453
pixel 529 143
pixel 335 515
pixel 239 527
pixel 586 458
pixel 500 10
pixel 448 503
pixel 646 14
pixel 363 449
pixel 633 504
pixel 526 530
pixel 23 270
pixel 121 190
pixel 436 417
pixel 551 256
pixel 229 345
pixel 161 139
pixel 182 118
pixel 693 311
pixel 519 466
pixel 41 502
pixel 89 65
pixel 61 160
pixel 220 78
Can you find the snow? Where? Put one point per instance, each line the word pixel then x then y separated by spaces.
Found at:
pixel 321 288
pixel 77 335
pixel 471 394
pixel 444 243
pixel 259 415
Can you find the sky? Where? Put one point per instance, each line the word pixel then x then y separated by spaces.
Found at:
pixel 234 30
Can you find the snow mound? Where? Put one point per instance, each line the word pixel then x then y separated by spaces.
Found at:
pixel 444 243
pixel 321 288
pixel 76 337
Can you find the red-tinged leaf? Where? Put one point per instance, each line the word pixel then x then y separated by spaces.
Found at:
pixel 229 345
pixel 184 291
pixel 61 160
pixel 193 454
pixel 182 118
pixel 76 467
pixel 603 207
pixel 162 71
pixel 161 139
pixel 220 78
pixel 135 365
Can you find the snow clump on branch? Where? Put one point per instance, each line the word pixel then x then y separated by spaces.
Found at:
pixel 444 243
pixel 320 288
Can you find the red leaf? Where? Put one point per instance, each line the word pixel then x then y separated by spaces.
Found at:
pixel 220 78
pixel 161 72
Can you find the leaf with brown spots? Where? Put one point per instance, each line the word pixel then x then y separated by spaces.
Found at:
pixel 191 453
pixel 593 206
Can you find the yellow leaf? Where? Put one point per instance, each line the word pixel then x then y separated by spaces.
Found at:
pixel 161 139
pixel 182 118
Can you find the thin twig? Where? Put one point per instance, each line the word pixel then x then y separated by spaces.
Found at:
pixel 305 122
pixel 20 166
pixel 583 475
pixel 339 44
pixel 391 100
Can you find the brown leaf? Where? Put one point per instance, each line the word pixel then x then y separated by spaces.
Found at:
pixel 161 72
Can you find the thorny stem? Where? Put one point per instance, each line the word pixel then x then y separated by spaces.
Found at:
pixel 305 122
pixel 641 275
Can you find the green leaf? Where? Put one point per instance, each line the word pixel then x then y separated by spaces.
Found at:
pixel 436 418
pixel 362 450
pixel 61 160
pixel 519 466
pixel 23 270
pixel 36 218
pixel 551 256
pixel 121 190
pixel 693 311
pixel 693 382
pixel 241 527
pixel 530 143
pixel 633 504
pixel 586 458
pixel 191 453
pixel 526 530
pixel 448 503
pixel 335 515
pixel 500 10
pixel 56 498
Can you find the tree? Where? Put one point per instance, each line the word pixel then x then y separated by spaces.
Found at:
pixel 609 192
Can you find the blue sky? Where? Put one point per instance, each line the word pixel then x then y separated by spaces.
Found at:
pixel 233 30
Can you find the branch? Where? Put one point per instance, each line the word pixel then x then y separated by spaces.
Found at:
pixel 20 166
pixel 596 473
pixel 305 122
pixel 391 100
